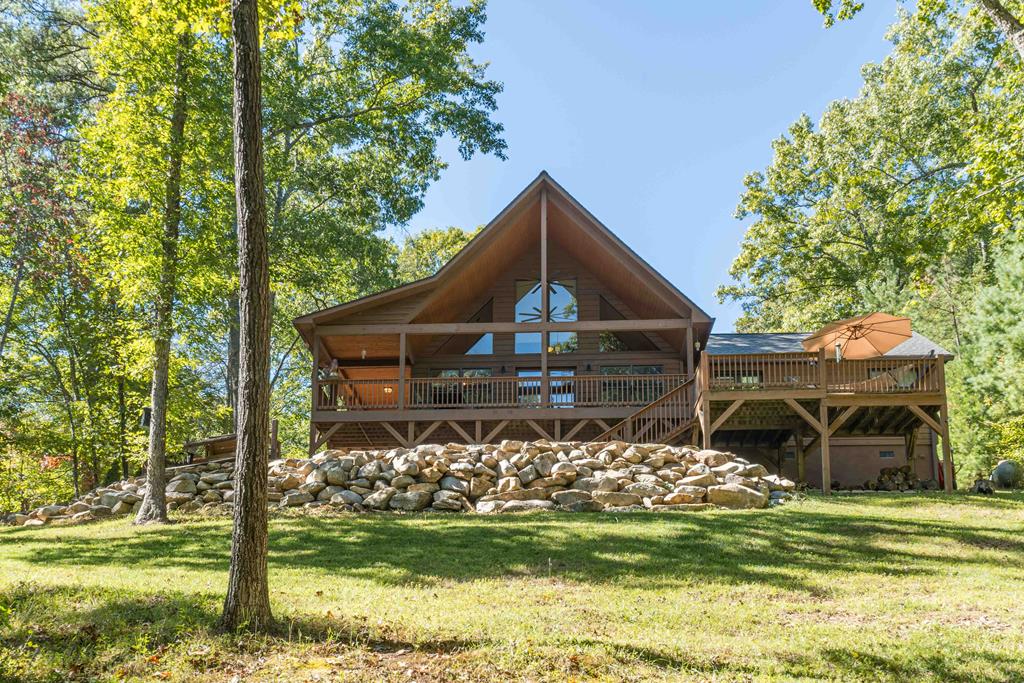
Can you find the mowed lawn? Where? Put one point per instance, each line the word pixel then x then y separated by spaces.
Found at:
pixel 884 587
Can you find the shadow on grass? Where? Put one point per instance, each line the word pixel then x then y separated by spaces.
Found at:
pixel 73 633
pixel 783 547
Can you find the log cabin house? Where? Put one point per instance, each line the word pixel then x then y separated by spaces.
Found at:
pixel 546 325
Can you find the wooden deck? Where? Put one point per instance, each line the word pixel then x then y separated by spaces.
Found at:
pixel 786 392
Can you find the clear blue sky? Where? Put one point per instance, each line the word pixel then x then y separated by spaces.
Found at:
pixel 650 113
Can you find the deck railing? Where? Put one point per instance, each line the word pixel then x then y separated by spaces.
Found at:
pixel 563 391
pixel 797 371
pixel 659 421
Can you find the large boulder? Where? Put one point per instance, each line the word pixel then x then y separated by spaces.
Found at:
pixel 378 500
pixel 527 505
pixel 295 498
pixel 736 496
pixel 616 498
pixel 346 498
pixel 1008 474
pixel 410 500
pixel 570 496
pixel 183 485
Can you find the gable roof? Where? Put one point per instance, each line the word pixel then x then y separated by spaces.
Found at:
pixel 790 342
pixel 494 242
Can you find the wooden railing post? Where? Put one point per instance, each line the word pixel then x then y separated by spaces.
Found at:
pixel 401 370
pixel 314 385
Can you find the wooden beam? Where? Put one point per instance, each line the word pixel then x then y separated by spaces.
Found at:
pixel 801 456
pixel 537 428
pixel 494 432
pixel 314 385
pixel 926 418
pixel 689 351
pixel 902 399
pixel 545 300
pixel 401 370
pixel 947 450
pixel 843 417
pixel 802 412
pixel 834 426
pixel 461 432
pixel 575 430
pixel 627 325
pixel 826 461
pixel 428 431
pixel 705 405
pixel 601 423
pixel 324 437
pixel 725 414
pixel 479 426
pixel 395 433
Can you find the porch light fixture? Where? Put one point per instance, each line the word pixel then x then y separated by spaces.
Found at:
pixel 388 390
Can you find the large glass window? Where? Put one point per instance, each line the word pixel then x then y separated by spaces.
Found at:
pixel 528 307
pixel 562 307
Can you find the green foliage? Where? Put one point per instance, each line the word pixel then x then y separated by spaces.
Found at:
pixel 993 412
pixel 842 10
pixel 357 94
pixel 424 253
pixel 897 200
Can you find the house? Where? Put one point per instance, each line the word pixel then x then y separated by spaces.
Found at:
pixel 546 325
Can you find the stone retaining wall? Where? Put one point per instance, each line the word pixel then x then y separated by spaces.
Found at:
pixel 512 476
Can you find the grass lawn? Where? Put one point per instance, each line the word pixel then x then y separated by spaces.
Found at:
pixel 885 587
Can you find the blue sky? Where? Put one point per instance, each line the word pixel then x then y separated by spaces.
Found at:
pixel 650 114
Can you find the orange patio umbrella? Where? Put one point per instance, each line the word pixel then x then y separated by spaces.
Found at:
pixel 867 336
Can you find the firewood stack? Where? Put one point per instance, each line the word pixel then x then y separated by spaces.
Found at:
pixel 899 479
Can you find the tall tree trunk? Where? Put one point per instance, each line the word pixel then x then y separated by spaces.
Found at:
pixel 232 378
pixel 154 504
pixel 248 600
pixel 10 307
pixel 122 424
pixel 1005 22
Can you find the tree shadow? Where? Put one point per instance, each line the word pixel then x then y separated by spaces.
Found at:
pixel 77 633
pixel 782 547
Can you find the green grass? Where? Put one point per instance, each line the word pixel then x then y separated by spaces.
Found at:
pixel 890 588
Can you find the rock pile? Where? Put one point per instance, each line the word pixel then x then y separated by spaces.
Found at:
pixel 512 476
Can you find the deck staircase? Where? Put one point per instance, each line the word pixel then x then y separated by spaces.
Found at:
pixel 661 421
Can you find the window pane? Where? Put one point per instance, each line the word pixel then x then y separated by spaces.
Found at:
pixel 562 392
pixel 529 392
pixel 609 341
pixel 528 301
pixel 484 346
pixel 562 301
pixel 563 342
pixel 528 342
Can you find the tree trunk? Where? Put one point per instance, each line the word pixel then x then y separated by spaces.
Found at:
pixel 122 424
pixel 247 604
pixel 1005 22
pixel 154 504
pixel 10 307
pixel 232 372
